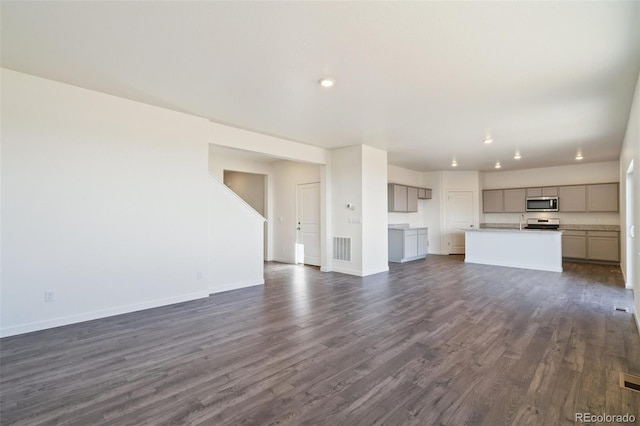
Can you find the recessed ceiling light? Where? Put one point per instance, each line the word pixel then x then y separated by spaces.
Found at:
pixel 327 82
pixel 497 166
pixel 454 163
pixel 579 156
pixel 517 156
pixel 488 140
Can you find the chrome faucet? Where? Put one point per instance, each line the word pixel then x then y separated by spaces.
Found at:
pixel 521 220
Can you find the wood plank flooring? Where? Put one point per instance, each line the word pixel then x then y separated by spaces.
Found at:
pixel 431 342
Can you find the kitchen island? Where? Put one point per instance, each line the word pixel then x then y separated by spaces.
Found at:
pixel 528 249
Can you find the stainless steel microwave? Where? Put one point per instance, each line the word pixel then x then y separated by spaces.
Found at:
pixel 542 204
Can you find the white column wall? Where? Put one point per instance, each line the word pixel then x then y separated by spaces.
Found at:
pixel 375 246
pixel 631 152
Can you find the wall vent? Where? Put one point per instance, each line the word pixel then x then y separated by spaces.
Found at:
pixel 342 248
pixel 628 381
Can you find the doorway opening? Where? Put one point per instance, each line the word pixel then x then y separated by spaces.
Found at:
pixel 629 226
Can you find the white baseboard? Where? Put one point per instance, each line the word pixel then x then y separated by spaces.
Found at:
pixel 347 271
pixel 88 316
pixel 235 286
pixel 284 260
pixel 375 271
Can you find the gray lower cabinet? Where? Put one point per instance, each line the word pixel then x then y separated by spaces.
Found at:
pixel 591 245
pixel 574 244
pixel 603 245
pixel 407 244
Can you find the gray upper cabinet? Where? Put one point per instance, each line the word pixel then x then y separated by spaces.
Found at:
pixel 424 193
pixel 397 198
pixel 602 197
pixel 492 201
pixel 412 199
pixel 572 198
pixel 534 192
pixel 514 200
pixel 404 199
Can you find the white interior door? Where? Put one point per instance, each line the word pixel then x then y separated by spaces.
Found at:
pixel 308 224
pixel 459 217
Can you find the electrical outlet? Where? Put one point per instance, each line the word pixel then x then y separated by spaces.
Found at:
pixel 199 275
pixel 49 296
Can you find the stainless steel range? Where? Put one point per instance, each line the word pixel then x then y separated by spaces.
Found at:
pixel 543 224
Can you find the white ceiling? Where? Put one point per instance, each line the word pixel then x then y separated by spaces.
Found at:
pixel 423 80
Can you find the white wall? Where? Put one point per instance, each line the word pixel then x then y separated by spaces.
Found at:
pixel 631 152
pixel 346 178
pixel 256 142
pixel 104 203
pixel 235 236
pixel 375 246
pixel 603 172
pixel 236 160
pixel 358 177
pixel 432 213
pixel 576 174
pixel 287 175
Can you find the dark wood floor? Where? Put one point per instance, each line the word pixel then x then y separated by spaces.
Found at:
pixel 431 342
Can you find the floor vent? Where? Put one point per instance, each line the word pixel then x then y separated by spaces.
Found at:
pixel 342 248
pixel 630 382
pixel 621 309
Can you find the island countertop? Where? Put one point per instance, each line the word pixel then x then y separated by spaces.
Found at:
pixel 516 230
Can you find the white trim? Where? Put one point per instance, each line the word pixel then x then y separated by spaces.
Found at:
pixel 324 269
pixel 93 315
pixel 375 271
pixel 340 270
pixel 283 260
pixel 235 286
pixel 635 314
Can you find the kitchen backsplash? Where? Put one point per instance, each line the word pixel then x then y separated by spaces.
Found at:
pixel 565 218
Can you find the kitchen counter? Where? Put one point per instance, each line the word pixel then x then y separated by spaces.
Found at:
pixel 407 243
pixel 528 249
pixel 542 231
